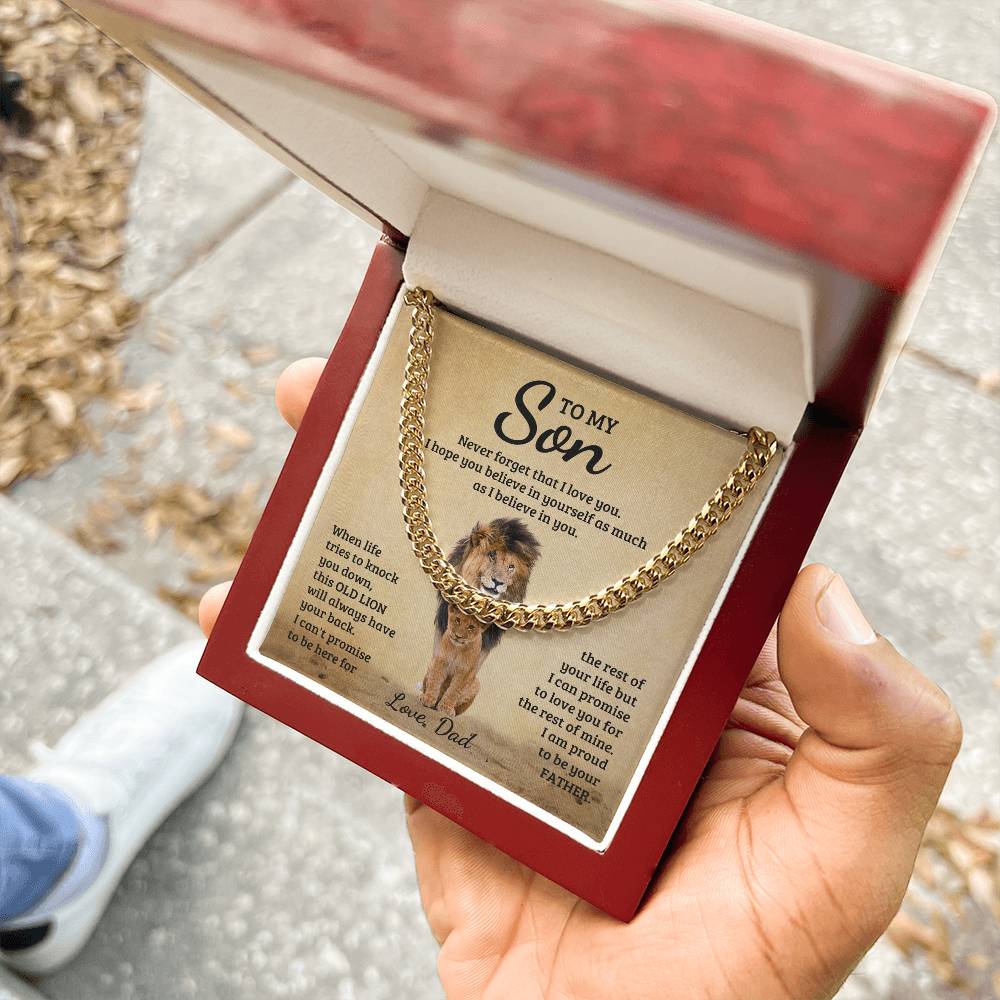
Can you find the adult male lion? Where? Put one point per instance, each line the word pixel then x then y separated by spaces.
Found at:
pixel 497 558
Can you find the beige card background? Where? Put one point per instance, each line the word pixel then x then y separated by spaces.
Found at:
pixel 665 464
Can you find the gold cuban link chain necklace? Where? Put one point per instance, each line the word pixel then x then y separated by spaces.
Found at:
pixel 761 446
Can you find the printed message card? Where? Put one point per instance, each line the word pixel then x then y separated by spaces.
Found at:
pixel 546 483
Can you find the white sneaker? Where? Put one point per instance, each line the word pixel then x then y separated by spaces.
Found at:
pixel 131 761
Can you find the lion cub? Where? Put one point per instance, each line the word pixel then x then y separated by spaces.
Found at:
pixel 450 684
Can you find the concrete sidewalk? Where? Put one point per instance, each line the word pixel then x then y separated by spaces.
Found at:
pixel 289 874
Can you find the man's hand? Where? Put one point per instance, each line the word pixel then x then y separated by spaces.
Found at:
pixel 794 855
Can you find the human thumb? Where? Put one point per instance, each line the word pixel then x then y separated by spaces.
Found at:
pixel 881 737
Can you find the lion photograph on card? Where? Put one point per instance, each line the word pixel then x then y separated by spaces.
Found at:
pixel 497 558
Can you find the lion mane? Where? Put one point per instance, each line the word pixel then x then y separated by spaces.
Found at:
pixel 507 540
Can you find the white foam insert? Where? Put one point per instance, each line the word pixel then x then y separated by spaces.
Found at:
pixel 658 238
pixel 611 316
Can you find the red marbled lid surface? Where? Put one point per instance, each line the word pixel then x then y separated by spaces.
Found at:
pixel 806 145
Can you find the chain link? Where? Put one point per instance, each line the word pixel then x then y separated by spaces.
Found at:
pixel 727 498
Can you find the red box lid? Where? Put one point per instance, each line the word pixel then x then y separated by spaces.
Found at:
pixel 810 147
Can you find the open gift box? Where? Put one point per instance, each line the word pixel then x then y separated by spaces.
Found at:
pixel 696 208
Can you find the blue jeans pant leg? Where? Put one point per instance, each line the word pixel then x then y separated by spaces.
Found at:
pixel 39 835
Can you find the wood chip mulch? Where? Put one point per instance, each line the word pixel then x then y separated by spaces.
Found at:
pixel 66 159
pixel 212 533
pixel 956 883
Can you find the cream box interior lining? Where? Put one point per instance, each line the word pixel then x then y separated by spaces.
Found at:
pixel 639 328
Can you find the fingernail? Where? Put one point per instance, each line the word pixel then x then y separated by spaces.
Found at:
pixel 839 612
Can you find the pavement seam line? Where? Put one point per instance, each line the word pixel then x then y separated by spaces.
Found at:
pixel 245 214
